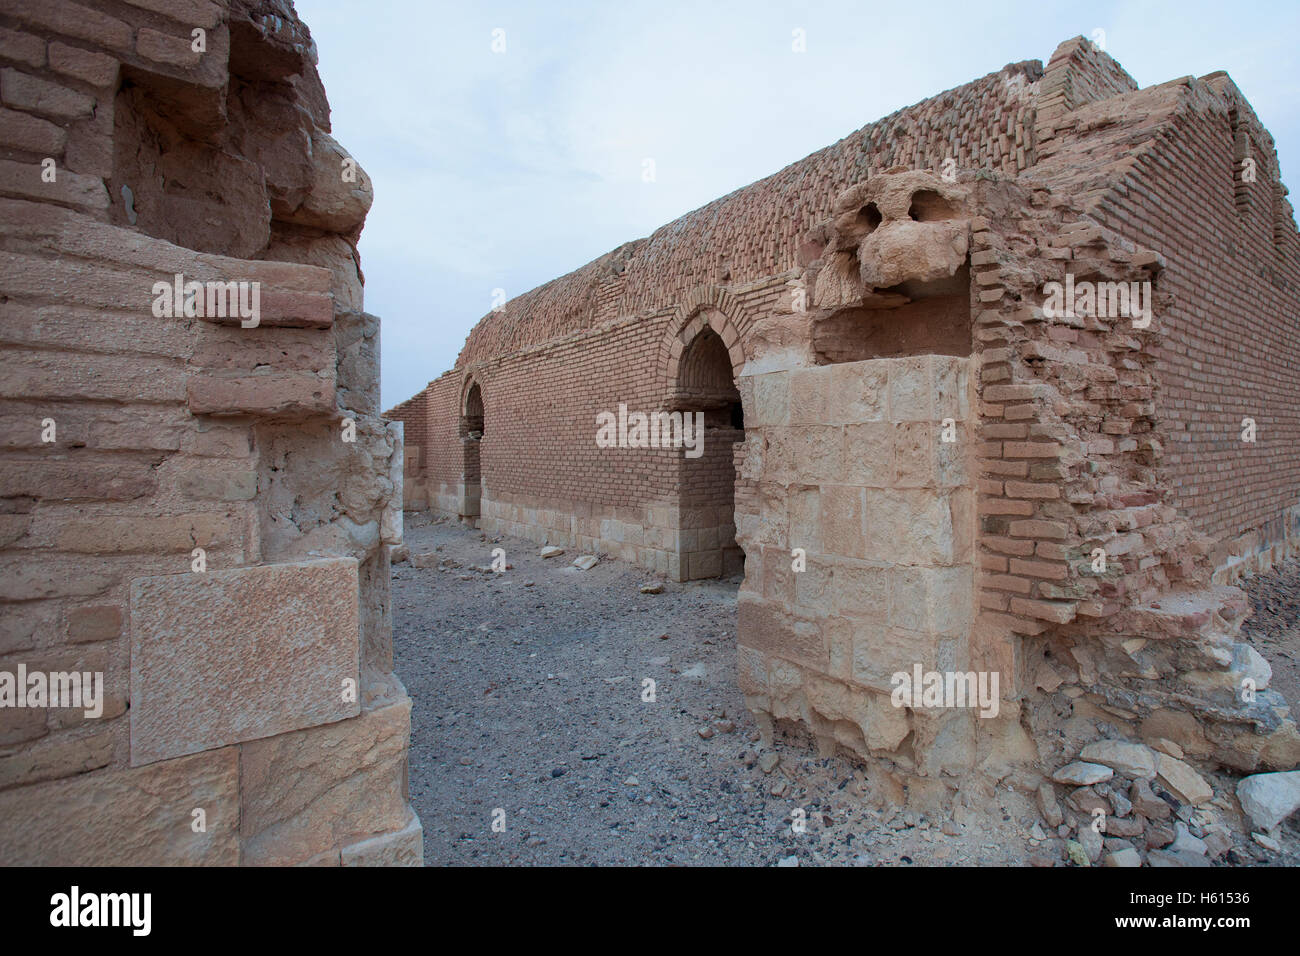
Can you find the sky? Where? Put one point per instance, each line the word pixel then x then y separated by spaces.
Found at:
pixel 499 169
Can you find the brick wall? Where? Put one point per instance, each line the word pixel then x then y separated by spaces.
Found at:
pixel 1166 172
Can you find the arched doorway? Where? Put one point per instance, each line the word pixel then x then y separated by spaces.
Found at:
pixel 706 391
pixel 471 437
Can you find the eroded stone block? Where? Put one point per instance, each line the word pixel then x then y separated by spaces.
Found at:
pixel 403 848
pixel 309 791
pixel 138 817
pixel 221 657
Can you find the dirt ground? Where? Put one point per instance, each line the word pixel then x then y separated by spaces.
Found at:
pixel 528 710
pixel 1273 627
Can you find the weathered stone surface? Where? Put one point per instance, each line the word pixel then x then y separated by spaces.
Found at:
pixel 1048 805
pixel 226 656
pixel 138 817
pixel 1183 782
pixel 1131 760
pixel 403 848
pixel 326 787
pixel 1127 857
pixel 1269 798
pixel 176 167
pixel 1082 774
pixel 333 203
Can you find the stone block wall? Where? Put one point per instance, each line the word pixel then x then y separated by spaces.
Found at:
pixel 197 505
pixel 860 475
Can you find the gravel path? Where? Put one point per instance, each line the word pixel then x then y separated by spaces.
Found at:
pixel 527 691
pixel 528 698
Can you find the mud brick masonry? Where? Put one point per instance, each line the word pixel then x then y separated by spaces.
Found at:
pixel 259 690
pixel 866 334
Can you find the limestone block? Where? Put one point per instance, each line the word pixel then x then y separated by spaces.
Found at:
pixel 287 394
pixel 782 460
pixel 935 600
pixel 860 591
pixel 390 525
pixel 138 817
pixel 812 588
pixel 951 387
pixel 333 203
pixel 911 389
pixel 86 192
pixel 869 454
pixel 765 627
pixel 912 526
pixel 805 519
pixel 859 392
pixel 916 454
pixel 843 510
pixel 771 399
pixel 820 451
pixel 880 651
pixel 833 289
pixel 922 251
pixel 225 656
pixel 809 396
pixel 403 848
pixel 705 564
pixel 310 790
pixel 751 670
pixel 952 468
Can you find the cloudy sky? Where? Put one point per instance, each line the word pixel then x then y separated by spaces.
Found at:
pixel 501 170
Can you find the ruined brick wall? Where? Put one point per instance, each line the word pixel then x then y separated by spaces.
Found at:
pixel 1165 168
pixel 198 506
pixel 1094 590
pixel 1088 435
pixel 551 358
pixel 543 475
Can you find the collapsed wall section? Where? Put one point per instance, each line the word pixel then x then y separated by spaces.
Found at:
pixel 1187 169
pixel 1093 580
